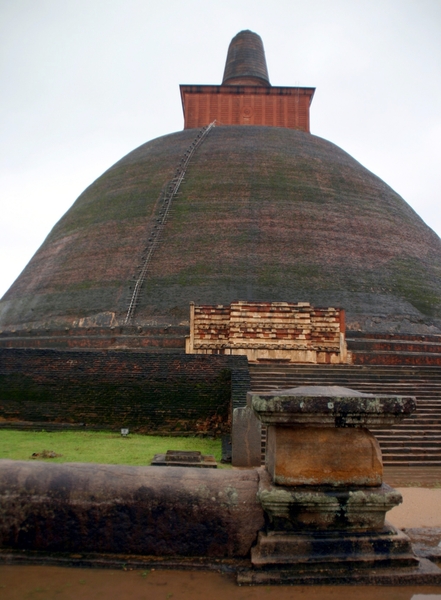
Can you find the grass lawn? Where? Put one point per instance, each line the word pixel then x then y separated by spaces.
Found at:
pixel 99 447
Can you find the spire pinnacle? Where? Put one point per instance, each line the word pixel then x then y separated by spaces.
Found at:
pixel 246 64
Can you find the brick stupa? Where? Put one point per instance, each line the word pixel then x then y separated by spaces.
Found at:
pixel 259 209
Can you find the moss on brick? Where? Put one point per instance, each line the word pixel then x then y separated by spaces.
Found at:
pixel 263 214
pixel 151 392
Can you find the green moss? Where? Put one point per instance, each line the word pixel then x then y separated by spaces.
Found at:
pixel 263 213
pixel 22 389
pixel 410 280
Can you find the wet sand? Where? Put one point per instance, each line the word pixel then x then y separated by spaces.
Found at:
pixel 50 583
pixel 421 507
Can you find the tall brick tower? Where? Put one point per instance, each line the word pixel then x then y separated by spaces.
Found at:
pixel 243 204
pixel 246 96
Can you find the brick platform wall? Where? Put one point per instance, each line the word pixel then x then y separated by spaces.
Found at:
pixel 269 330
pixel 146 339
pixel 145 392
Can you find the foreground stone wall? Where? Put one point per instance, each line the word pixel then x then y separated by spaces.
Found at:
pixel 142 391
pixel 269 331
pixel 128 510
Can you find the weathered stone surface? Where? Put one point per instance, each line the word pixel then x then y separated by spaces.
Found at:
pixel 323 456
pixel 133 510
pixel 324 535
pixel 370 550
pixel 322 492
pixel 330 406
pixel 309 508
pixel 343 573
pixel 247 438
pixel 426 542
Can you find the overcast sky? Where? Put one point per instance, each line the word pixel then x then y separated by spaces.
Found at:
pixel 83 82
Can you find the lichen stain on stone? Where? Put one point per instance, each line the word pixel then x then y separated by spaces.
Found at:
pixel 232 495
pixel 203 492
pixel 360 498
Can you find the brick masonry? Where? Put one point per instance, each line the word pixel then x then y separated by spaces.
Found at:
pixel 146 339
pixel 293 332
pixel 246 105
pixel 265 213
pixel 111 389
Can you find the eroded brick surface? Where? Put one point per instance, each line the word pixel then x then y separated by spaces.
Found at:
pixel 295 332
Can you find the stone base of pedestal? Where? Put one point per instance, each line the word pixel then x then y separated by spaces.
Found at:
pixel 326 535
pixel 388 548
pixel 373 558
pixel 296 509
pixel 424 573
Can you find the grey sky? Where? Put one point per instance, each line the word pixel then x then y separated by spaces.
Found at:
pixel 83 82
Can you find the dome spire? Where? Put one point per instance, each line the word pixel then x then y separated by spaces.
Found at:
pixel 246 64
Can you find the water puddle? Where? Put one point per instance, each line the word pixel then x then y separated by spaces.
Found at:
pixel 18 582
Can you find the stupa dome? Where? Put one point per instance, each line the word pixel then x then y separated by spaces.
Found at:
pixel 264 213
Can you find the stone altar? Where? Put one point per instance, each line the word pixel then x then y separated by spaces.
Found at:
pixel 323 495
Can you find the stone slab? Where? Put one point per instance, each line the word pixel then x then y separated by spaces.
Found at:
pixel 426 542
pixel 227 449
pixel 246 438
pixel 184 459
pixel 329 406
pixel 425 573
pixel 387 548
pixel 323 456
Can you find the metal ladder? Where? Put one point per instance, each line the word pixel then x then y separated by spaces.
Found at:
pixel 165 200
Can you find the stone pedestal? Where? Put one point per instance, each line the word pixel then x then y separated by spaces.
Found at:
pixel 315 455
pixel 323 495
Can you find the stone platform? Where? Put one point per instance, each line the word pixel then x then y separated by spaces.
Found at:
pixel 181 458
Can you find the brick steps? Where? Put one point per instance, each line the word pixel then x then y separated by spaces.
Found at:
pixel 396 462
pixel 408 433
pixel 398 346
pixel 415 441
pixel 413 337
pixel 429 446
pixel 393 358
pixel 394 349
pixel 412 475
